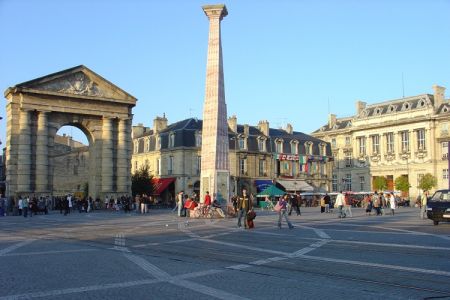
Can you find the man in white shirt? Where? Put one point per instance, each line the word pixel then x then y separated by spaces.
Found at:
pixel 340 201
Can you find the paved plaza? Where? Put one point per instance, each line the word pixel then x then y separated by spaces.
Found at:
pixel 105 255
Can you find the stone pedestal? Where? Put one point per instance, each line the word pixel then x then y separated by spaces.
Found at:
pixel 215 162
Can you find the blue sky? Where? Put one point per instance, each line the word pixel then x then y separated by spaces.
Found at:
pixel 284 61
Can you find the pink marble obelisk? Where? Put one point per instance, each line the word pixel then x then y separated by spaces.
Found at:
pixel 215 170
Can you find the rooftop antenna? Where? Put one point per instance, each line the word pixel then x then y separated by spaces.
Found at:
pixel 403 86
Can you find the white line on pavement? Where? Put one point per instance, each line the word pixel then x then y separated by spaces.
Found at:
pixel 49 252
pixel 15 246
pixel 376 265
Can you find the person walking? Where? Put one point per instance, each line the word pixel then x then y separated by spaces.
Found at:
pixel 327 201
pixel 244 206
pixel 282 203
pixel 392 203
pixel 179 203
pixel 293 205
pixel 423 207
pixel 340 201
pixel 376 202
pixel 20 205
pixel 348 205
pixel 25 207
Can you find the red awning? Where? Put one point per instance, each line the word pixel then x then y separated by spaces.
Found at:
pixel 160 184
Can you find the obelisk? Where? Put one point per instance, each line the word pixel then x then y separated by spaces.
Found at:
pixel 215 170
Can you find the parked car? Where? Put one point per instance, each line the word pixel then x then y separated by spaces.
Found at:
pixel 438 207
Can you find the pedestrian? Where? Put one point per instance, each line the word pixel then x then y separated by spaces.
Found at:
pixel 368 204
pixel 25 207
pixel 293 205
pixel 69 203
pixel 282 204
pixel 392 203
pixel 20 205
pixel 348 205
pixel 322 205
pixel 340 201
pixel 376 203
pixel 423 207
pixel 65 204
pixel 244 206
pixel 327 201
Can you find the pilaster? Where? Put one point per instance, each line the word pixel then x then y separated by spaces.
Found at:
pixel 42 160
pixel 122 157
pixel 24 154
pixel 107 155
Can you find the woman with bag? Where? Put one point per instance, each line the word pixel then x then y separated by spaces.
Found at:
pixel 281 208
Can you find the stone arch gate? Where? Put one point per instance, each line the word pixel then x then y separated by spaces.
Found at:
pixel 79 97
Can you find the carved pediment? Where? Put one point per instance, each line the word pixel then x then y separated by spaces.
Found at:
pixel 77 81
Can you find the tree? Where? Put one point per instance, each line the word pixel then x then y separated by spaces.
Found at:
pixel 427 182
pixel 402 184
pixel 141 181
pixel 86 189
pixel 380 183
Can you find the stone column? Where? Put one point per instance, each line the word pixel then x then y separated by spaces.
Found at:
pixel 122 157
pixel 24 154
pixel 215 172
pixel 107 155
pixel 42 161
pixel 129 153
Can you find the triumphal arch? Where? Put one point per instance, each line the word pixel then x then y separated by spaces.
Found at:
pixel 78 97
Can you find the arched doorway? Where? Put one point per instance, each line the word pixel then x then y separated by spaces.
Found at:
pixel 37 109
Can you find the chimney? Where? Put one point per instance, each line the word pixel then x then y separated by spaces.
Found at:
pixel 246 130
pixel 439 95
pixel 263 126
pixel 159 123
pixel 360 106
pixel 137 131
pixel 232 123
pixel 289 129
pixel 331 120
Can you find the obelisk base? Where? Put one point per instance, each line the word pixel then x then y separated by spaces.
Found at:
pixel 217 183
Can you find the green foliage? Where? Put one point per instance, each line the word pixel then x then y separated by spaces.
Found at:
pixel 86 189
pixel 380 183
pixel 141 182
pixel 427 182
pixel 402 184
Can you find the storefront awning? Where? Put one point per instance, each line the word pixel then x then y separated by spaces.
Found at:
pixel 161 184
pixel 296 185
pixel 261 185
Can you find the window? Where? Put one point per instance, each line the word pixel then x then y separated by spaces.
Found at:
pixel 444 150
pixel 375 144
pixel 262 168
pixel 170 166
pixel 279 146
pixel 348 182
pixel 405 141
pixel 323 149
pixel 444 173
pixel 243 166
pixel 348 141
pixel 309 148
pixel 136 146
pixel 362 183
pixel 171 140
pixel 198 139
pixel 242 143
pixel 262 145
pixel 294 147
pixel 421 139
pixel 198 166
pixel 348 160
pixel 334 183
pixel 333 143
pixel 390 142
pixel 158 143
pixel 147 145
pixel 362 145
pixel 158 166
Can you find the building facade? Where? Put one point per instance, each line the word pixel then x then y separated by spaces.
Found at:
pixel 403 137
pixel 258 156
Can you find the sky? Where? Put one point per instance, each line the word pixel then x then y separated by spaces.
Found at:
pixel 285 61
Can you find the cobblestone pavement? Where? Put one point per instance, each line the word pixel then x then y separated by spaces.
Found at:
pixel 105 255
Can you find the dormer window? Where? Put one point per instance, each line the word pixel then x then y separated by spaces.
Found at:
pixel 158 143
pixel 365 113
pixel 136 146
pixel 279 146
pixel 242 142
pixel 445 109
pixel 391 108
pixel 294 147
pixel 377 111
pixel 147 145
pixel 171 140
pixel 422 103
pixel 309 148
pixel 323 149
pixel 261 144
pixel 198 139
pixel 406 106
